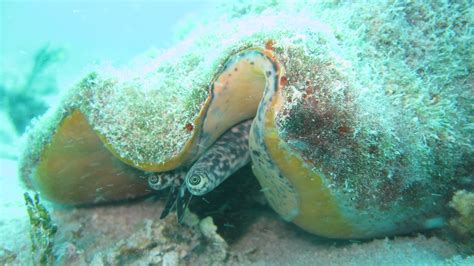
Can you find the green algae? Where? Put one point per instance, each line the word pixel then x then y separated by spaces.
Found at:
pixel 42 231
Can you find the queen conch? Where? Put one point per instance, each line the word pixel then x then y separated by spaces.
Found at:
pixel 342 144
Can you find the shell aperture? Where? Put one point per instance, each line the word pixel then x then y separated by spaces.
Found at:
pixel 227 155
pixel 242 81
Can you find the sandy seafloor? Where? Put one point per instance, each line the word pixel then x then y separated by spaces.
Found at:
pixel 132 233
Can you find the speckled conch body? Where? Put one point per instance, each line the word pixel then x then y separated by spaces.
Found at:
pixel 340 149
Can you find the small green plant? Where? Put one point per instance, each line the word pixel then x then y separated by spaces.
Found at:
pixel 42 231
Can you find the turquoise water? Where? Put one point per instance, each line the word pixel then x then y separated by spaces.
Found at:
pixel 88 31
pixel 377 108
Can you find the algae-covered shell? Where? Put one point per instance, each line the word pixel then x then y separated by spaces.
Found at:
pixel 340 151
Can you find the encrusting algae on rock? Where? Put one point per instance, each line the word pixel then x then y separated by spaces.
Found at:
pixel 463 203
pixel 362 124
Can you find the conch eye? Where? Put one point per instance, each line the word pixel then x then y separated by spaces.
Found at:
pixel 194 180
pixel 153 180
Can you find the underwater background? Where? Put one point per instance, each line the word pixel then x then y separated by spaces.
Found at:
pixel 47 47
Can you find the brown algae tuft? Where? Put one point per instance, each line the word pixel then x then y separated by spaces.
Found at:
pixel 42 231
